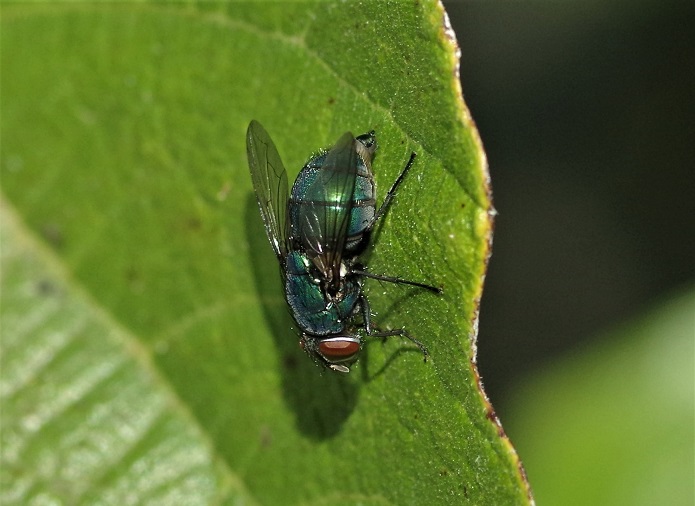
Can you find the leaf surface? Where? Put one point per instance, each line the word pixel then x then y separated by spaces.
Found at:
pixel 126 186
pixel 613 424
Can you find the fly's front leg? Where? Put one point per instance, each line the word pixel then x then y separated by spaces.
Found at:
pixel 366 316
pixel 404 333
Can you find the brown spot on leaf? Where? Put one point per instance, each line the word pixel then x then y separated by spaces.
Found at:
pixel 53 233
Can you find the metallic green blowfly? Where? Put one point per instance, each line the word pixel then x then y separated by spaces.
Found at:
pixel 318 232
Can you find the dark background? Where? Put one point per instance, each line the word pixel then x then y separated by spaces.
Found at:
pixel 586 113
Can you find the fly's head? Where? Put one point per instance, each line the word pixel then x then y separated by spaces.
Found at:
pixel 337 353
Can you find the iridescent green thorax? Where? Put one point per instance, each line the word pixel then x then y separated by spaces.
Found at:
pixel 314 310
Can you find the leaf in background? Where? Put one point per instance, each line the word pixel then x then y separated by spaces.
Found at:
pixel 124 152
pixel 613 424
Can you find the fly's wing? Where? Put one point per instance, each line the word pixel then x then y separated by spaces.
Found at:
pixel 270 182
pixel 324 215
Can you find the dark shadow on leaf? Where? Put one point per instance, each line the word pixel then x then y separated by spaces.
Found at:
pixel 320 399
pixel 365 374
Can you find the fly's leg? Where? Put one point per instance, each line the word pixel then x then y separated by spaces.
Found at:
pixel 359 270
pixel 366 315
pixel 396 280
pixel 392 192
pixel 404 333
pixel 372 332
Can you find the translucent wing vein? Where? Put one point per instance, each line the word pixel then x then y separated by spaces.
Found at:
pixel 270 183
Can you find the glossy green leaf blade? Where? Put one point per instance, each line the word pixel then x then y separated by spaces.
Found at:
pixel 85 418
pixel 123 132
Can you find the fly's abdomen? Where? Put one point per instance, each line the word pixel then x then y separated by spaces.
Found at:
pixel 311 310
pixel 363 207
pixel 329 203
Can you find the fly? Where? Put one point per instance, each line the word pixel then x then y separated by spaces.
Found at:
pixel 317 232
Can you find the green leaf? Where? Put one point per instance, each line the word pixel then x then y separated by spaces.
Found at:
pixel 613 424
pixel 86 416
pixel 147 350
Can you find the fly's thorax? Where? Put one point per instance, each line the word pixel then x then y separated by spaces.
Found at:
pixel 335 284
pixel 315 310
pixel 336 352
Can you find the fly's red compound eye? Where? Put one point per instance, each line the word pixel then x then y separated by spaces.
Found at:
pixel 339 349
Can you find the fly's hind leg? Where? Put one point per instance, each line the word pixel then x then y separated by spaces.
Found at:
pixel 392 192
